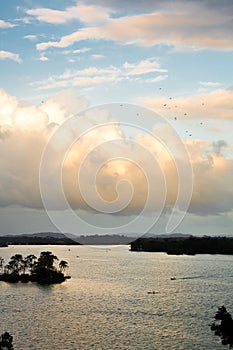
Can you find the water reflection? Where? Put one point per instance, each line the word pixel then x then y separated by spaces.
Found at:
pixel 106 304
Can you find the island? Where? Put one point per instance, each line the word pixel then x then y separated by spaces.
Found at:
pixel 42 270
pixel 184 245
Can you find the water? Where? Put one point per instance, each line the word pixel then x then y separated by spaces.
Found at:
pixel 106 304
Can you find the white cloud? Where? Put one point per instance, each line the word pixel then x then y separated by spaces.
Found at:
pixel 84 13
pixel 43 58
pixel 94 75
pixel 6 25
pixel 157 79
pixel 192 26
pixel 209 83
pixel 24 131
pixel 31 37
pixel 7 55
pixel 97 56
pixel 143 67
pixel 82 50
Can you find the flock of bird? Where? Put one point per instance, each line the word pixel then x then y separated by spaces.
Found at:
pixel 175 118
pixel 185 113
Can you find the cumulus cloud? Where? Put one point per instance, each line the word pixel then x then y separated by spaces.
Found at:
pixel 7 55
pixel 24 132
pixel 213 192
pixel 105 151
pixel 63 105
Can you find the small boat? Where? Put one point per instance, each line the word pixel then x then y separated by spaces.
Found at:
pixel 173 278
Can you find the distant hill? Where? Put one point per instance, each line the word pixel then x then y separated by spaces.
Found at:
pixel 104 239
pixel 109 239
pixel 166 235
pixel 41 238
pixel 56 238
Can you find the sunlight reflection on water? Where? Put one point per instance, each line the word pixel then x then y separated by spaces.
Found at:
pixel 106 304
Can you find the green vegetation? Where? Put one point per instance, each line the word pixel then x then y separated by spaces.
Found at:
pixel 30 269
pixel 223 326
pixel 189 245
pixel 6 342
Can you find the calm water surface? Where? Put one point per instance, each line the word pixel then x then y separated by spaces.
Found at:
pixel 106 304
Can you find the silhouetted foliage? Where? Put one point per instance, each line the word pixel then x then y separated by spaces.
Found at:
pixel 190 246
pixel 6 341
pixel 223 326
pixel 42 270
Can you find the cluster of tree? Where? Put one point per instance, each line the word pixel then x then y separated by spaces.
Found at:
pixel 41 270
pixel 6 341
pixel 223 326
pixel 185 245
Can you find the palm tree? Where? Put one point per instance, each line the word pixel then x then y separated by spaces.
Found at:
pixel 63 265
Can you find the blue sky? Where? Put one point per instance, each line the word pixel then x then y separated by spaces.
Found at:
pixel 173 57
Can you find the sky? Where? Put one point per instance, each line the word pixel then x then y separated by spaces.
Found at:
pixel 116 116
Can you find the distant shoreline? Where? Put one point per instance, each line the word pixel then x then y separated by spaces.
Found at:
pixel 33 239
pixel 189 245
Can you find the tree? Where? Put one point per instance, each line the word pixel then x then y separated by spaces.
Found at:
pixel 30 262
pixel 30 269
pixel 224 329
pixel 16 264
pixel 63 265
pixel 6 341
pixel 46 261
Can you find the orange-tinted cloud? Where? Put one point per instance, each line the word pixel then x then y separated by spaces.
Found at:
pixel 217 104
pixel 188 25
pixel 125 171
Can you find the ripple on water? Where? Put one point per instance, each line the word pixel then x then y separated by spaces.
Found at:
pixel 106 304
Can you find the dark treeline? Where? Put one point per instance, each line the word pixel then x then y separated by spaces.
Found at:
pixel 34 240
pixel 188 245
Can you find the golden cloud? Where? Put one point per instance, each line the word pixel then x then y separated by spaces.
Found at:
pixel 124 171
pixel 217 104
